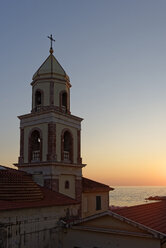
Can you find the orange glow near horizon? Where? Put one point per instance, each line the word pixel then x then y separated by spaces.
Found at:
pixel 127 176
pixel 115 165
pixel 127 168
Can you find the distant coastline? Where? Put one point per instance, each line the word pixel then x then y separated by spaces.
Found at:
pixel 156 198
pixel 124 196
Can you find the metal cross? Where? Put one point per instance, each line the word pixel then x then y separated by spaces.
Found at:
pixel 51 39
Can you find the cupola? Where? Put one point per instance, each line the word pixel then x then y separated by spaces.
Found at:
pixel 51 86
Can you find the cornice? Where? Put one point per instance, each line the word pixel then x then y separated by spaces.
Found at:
pixel 49 163
pixel 65 80
pixel 47 112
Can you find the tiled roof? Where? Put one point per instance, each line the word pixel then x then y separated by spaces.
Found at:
pixel 108 227
pixel 18 190
pixel 152 215
pixel 18 186
pixel 93 186
pixel 50 198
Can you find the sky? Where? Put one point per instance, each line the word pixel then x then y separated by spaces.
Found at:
pixel 114 52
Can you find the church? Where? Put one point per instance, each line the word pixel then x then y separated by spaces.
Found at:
pixel 50 141
pixel 46 201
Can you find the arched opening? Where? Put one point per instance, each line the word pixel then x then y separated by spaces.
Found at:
pixel 35 146
pixel 67 147
pixel 67 184
pixel 38 99
pixel 64 102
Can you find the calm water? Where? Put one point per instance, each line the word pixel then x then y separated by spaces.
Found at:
pixel 129 195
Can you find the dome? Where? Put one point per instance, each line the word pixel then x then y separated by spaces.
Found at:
pixel 50 68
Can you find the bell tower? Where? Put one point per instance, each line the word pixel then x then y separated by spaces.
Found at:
pixel 50 136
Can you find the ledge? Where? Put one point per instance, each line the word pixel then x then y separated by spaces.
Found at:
pixel 49 163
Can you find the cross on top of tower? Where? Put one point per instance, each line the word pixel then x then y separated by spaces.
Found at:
pixel 51 40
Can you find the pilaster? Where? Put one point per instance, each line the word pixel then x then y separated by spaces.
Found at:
pixel 21 158
pixel 51 156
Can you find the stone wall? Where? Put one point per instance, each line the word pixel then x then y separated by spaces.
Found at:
pixel 35 227
pixel 3 236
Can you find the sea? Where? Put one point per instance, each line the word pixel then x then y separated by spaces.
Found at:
pixel 134 195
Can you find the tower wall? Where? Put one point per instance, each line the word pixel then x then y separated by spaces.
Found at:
pixel 51 94
pixel 52 128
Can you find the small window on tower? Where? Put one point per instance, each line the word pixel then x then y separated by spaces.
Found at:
pixel 64 101
pixel 38 100
pixel 67 184
pixel 38 97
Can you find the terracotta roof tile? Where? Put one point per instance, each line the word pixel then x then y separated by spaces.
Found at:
pixel 152 215
pixel 50 198
pixel 18 190
pixel 18 186
pixel 93 186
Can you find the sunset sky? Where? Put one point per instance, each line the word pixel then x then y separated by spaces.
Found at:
pixel 114 52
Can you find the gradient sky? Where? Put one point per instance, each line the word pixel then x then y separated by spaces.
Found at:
pixel 115 54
